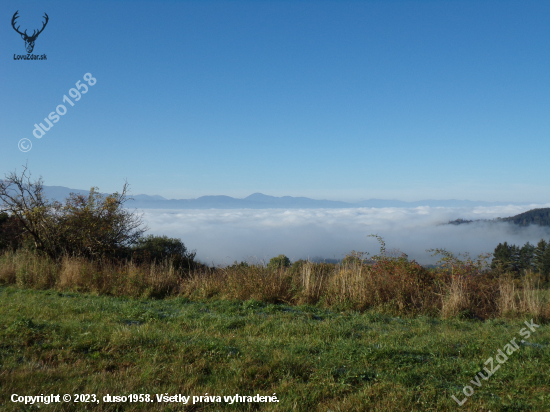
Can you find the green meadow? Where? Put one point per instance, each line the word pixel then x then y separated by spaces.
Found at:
pixel 312 358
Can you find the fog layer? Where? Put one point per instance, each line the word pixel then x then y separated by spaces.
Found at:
pixel 222 236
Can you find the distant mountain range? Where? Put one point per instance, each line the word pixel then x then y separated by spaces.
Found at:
pixel 261 201
pixel 540 217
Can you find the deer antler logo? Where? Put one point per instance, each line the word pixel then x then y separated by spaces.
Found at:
pixel 29 40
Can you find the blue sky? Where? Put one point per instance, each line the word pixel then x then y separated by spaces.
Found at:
pixel 405 100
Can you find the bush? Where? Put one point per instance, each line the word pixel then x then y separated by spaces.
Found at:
pixel 159 249
pixel 279 262
pixel 242 265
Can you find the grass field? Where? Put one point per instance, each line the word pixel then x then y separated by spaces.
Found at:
pixel 313 359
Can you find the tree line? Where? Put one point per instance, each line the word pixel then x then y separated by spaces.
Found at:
pixel 539 217
pixel 518 259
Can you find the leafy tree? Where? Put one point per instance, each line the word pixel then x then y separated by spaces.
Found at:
pixel 97 225
pixel 162 248
pixel 11 233
pixel 279 262
pixel 24 201
pixel 91 226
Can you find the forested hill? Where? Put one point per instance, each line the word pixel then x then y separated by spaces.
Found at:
pixel 539 217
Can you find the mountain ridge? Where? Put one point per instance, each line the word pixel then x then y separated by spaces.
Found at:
pixel 262 201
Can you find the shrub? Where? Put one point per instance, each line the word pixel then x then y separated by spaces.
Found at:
pixel 151 249
pixel 280 261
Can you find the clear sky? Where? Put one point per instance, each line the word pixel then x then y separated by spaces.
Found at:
pixel 353 100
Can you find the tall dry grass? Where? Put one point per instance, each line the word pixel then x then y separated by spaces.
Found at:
pixel 393 285
pixel 523 296
pixel 456 299
pixel 27 269
pixel 314 282
pixel 508 291
pixel 242 283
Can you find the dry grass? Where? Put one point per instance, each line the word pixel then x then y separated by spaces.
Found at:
pixel 314 283
pixel 456 300
pixel 242 283
pixel 508 292
pixel 523 296
pixel 530 300
pixel 392 285
pixel 8 270
pixel 121 279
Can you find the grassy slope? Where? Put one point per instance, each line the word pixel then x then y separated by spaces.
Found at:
pixel 314 360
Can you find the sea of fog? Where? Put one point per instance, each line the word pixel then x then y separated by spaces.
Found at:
pixel 221 237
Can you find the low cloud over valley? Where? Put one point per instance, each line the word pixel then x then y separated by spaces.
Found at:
pixel 223 236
